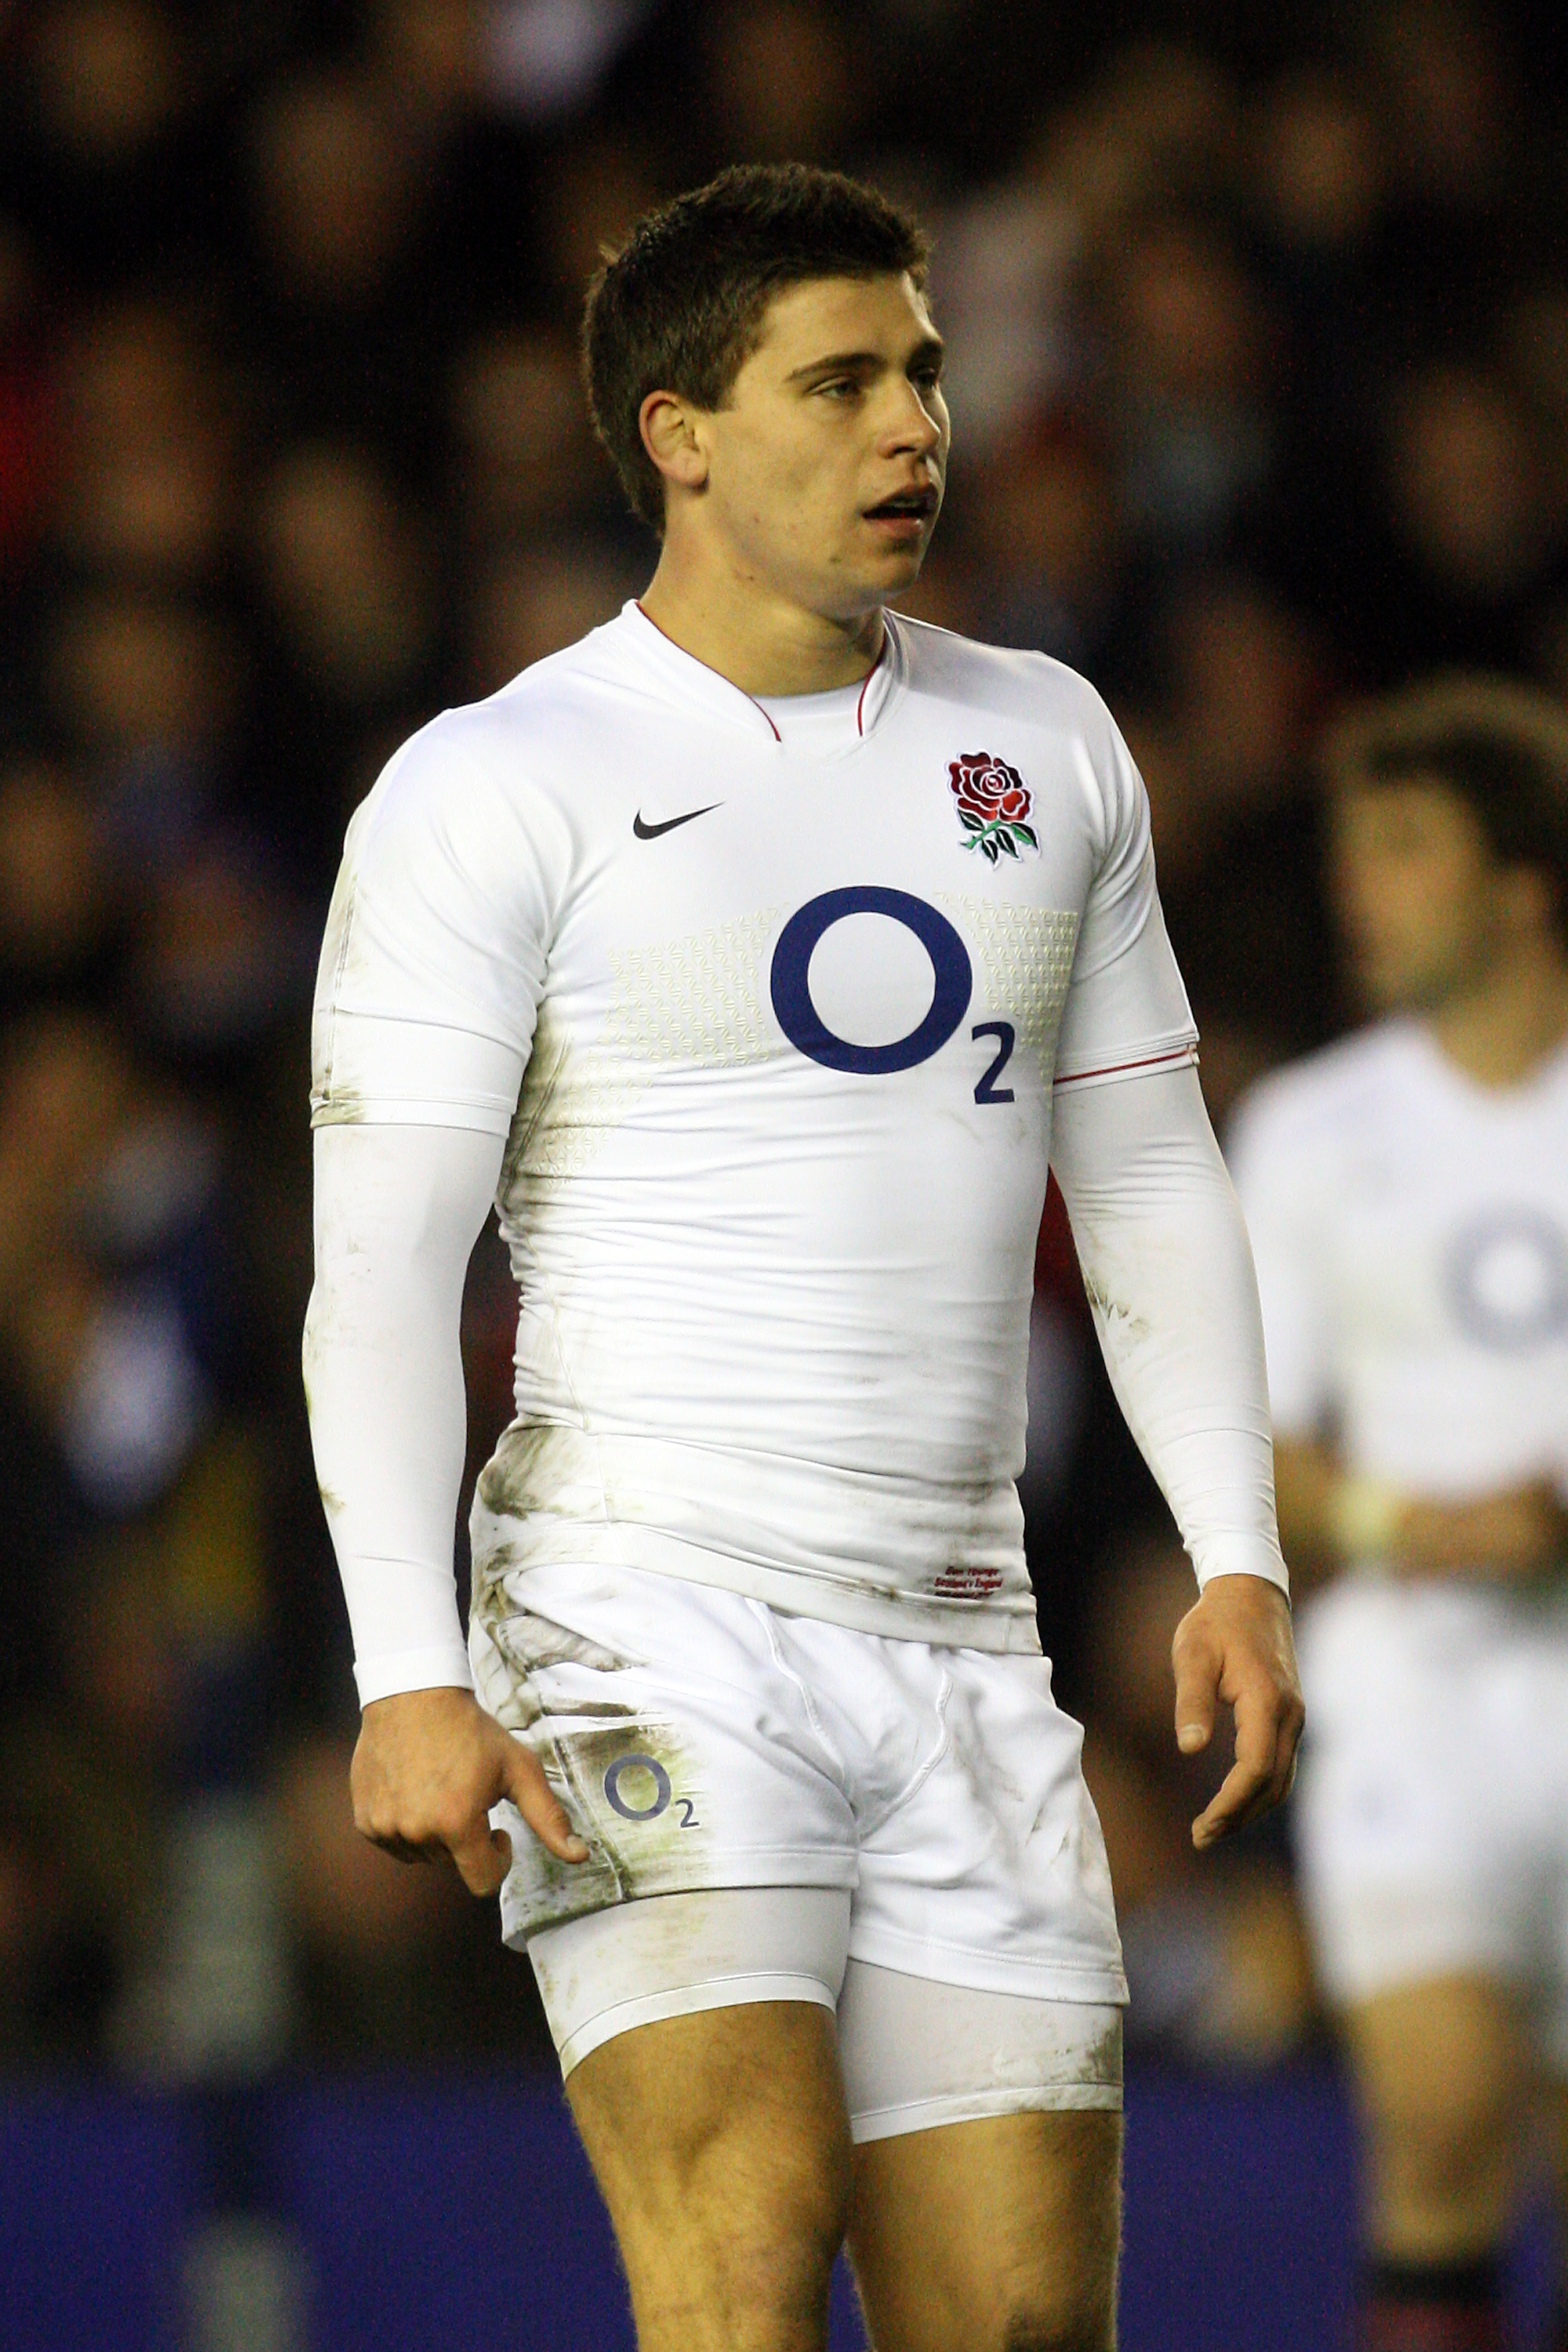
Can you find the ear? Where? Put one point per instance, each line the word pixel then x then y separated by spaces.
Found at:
pixel 670 435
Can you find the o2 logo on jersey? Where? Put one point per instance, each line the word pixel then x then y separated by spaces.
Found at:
pixel 649 1793
pixel 1508 1280
pixel 790 986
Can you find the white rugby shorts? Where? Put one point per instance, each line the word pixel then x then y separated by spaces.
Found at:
pixel 931 1800
pixel 1431 1809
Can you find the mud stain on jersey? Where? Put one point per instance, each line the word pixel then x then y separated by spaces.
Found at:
pixel 638 1791
pixel 536 1466
pixel 1121 1323
pixel 1102 2060
pixel 538 1469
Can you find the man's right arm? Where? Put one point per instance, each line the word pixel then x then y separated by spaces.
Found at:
pixel 1328 1516
pixel 397 1212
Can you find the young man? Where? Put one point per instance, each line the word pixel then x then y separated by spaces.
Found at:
pixel 1407 1195
pixel 735 953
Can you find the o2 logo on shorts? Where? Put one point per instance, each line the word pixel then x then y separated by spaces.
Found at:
pixel 1507 1279
pixel 789 984
pixel 625 1803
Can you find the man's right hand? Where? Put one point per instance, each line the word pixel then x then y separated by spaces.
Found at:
pixel 427 1767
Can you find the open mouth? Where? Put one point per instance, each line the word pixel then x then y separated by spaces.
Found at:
pixel 905 505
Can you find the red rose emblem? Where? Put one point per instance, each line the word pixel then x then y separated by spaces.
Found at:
pixel 994 805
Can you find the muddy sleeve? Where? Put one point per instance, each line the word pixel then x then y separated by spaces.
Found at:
pixel 434 959
pixel 1168 1270
pixel 398 1210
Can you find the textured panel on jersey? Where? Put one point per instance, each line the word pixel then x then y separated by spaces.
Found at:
pixel 1028 953
pixel 697 999
pixel 572 1101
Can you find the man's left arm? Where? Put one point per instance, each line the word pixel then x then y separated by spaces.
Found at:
pixel 1170 1279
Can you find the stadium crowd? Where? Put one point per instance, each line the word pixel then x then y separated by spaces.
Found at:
pixel 1259 376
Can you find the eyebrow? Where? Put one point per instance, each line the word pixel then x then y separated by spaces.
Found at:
pixel 931 347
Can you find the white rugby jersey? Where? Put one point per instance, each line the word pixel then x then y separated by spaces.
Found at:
pixel 1410 1231
pixel 769 1003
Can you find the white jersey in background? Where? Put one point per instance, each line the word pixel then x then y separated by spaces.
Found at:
pixel 791 986
pixel 1410 1233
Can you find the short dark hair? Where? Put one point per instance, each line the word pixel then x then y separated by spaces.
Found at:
pixel 1501 746
pixel 679 307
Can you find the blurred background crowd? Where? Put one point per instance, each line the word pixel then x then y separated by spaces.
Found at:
pixel 1259 322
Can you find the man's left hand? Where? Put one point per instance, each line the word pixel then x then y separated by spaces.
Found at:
pixel 1236 1646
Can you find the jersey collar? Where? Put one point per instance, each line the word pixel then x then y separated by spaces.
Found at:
pixel 710 690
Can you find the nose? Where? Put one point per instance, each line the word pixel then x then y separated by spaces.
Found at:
pixel 912 427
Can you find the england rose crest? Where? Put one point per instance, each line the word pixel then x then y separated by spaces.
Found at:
pixel 994 805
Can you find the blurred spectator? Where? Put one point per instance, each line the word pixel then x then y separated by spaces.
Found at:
pixel 136 681
pixel 523 455
pixel 1188 351
pixel 534 601
pixel 106 134
pixel 1044 519
pixel 1246 685
pixel 58 916
pixel 145 491
pixel 591 194
pixel 1318 165
pixel 1478 534
pixel 24 439
pixel 348 577
pixel 783 84
pixel 347 313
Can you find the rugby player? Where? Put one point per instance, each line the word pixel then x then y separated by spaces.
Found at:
pixel 1408 1196
pixel 753 957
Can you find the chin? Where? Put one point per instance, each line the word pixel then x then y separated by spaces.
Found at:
pixel 898 572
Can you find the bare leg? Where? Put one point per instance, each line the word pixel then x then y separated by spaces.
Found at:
pixel 1442 2079
pixel 721 2147
pixel 995 2236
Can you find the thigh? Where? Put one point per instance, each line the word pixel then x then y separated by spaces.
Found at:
pixel 992 2234
pixel 721 2147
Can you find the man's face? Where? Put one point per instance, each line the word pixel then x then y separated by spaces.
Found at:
pixel 1419 896
pixel 826 465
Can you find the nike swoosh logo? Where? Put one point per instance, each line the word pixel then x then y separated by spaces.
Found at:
pixel 652 831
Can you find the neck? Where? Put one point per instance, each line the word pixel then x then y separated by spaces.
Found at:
pixel 1503 1028
pixel 757 638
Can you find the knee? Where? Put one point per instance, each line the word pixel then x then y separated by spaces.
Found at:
pixel 763 2226
pixel 1445 2136
pixel 1080 2315
pixel 1076 2331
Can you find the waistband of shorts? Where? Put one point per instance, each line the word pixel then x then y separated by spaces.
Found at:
pixel 1003 1624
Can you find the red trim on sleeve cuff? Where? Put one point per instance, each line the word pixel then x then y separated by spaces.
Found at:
pixel 1121 1069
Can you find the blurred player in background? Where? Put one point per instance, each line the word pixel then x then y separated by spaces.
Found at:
pixel 1407 1195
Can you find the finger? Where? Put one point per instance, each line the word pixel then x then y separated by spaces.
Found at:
pixel 1248 1786
pixel 541 1808
pixel 483 1857
pixel 401 1849
pixel 1198 1683
pixel 1292 1724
